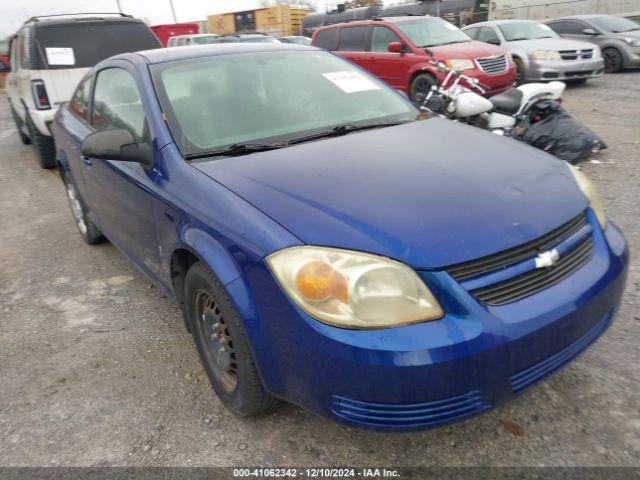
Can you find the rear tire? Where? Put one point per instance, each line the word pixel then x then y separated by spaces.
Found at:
pixel 88 230
pixel 43 145
pixel 222 344
pixel 420 87
pixel 612 60
pixel 23 137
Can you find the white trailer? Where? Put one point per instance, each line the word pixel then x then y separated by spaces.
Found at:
pixel 543 9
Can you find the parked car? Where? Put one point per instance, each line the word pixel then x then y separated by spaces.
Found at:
pixel 330 246
pixel 299 39
pixel 398 50
pixel 255 38
pixel 49 55
pixel 539 53
pixel 197 39
pixel 618 37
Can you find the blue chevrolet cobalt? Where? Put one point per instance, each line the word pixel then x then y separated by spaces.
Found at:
pixel 327 243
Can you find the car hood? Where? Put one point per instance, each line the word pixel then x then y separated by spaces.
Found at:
pixel 466 50
pixel 429 193
pixel 557 44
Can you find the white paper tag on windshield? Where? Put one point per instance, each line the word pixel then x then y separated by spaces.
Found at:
pixel 351 82
pixel 60 56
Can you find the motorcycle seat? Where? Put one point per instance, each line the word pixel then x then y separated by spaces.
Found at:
pixel 508 101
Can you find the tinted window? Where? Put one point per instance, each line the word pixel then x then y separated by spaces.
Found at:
pixel 557 27
pixel 574 28
pixel 488 35
pixel 327 39
pixel 381 37
pixel 79 104
pixel 92 43
pixel 117 103
pixel 269 97
pixel 471 32
pixel 352 39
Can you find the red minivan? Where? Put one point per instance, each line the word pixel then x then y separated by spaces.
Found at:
pixel 398 50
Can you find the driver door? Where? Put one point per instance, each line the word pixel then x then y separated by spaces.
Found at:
pixel 392 67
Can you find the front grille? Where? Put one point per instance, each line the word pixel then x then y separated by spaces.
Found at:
pixel 407 415
pixel 530 376
pixel 536 280
pixel 576 54
pixel 493 64
pixel 473 268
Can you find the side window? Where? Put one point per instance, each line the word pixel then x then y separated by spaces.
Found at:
pixel 182 42
pixel 472 32
pixel 381 37
pixel 13 55
pixel 188 41
pixel 117 103
pixel 327 39
pixel 488 35
pixel 79 104
pixel 352 39
pixel 573 28
pixel 557 27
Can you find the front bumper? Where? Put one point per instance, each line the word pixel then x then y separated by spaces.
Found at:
pixel 428 374
pixel 547 70
pixel 496 82
pixel 631 57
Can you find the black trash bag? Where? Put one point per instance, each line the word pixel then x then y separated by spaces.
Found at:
pixel 550 128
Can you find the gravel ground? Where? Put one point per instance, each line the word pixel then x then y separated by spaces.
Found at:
pixel 97 368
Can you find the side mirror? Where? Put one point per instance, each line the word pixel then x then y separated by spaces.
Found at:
pixel 589 31
pixel 116 145
pixel 493 41
pixel 395 47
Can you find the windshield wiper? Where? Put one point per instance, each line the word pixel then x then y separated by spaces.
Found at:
pixel 343 130
pixel 235 149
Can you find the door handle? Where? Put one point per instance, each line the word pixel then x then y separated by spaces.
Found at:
pixel 86 160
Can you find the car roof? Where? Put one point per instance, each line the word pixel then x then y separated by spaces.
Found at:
pixel 80 20
pixel 164 55
pixel 369 21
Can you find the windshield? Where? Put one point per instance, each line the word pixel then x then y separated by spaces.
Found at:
pixel 431 33
pixel 514 31
pixel 218 101
pixel 610 23
pixel 204 40
pixel 87 44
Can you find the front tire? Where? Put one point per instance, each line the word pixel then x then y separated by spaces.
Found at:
pixel 88 230
pixel 43 145
pixel 420 87
pixel 222 344
pixel 612 60
pixel 520 71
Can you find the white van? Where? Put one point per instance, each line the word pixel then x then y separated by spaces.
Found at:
pixel 195 39
pixel 49 56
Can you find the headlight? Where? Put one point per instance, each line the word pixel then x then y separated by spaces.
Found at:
pixel 589 189
pixel 353 289
pixel 509 57
pixel 460 65
pixel 546 55
pixel 597 53
pixel 632 41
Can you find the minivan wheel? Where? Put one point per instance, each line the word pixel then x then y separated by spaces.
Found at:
pixel 43 145
pixel 88 230
pixel 420 87
pixel 612 60
pixel 222 344
pixel 24 138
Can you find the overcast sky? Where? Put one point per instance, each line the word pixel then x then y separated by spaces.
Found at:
pixel 14 12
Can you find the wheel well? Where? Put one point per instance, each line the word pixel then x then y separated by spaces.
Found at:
pixel 181 260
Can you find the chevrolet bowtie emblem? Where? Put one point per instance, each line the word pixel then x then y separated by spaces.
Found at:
pixel 547 259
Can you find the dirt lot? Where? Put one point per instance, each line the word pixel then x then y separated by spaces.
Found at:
pixel 97 369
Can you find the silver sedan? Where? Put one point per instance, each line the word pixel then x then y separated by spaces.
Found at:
pixel 539 53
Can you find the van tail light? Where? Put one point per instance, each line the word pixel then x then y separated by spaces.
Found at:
pixel 40 96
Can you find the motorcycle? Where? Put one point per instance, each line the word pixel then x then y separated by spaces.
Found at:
pixel 531 113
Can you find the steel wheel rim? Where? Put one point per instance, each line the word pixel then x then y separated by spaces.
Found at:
pixel 217 342
pixel 76 209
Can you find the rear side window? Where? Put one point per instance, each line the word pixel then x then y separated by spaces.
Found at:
pixel 79 104
pixel 91 43
pixel 352 39
pixel 117 103
pixel 572 28
pixel 488 35
pixel 327 39
pixel 557 27
pixel 381 37
pixel 471 32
